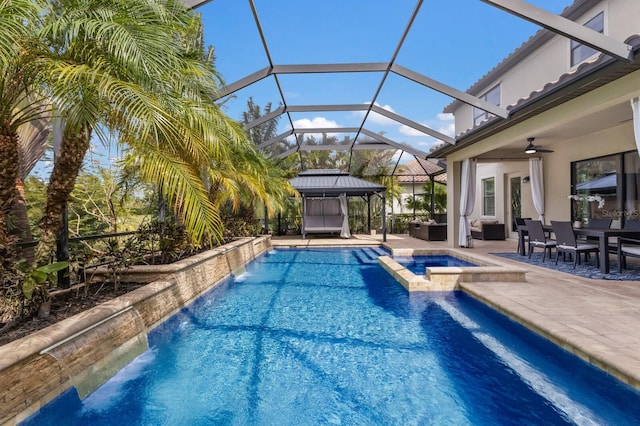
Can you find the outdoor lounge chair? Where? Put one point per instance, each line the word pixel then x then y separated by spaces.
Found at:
pixel 627 247
pixel 538 238
pixel 568 243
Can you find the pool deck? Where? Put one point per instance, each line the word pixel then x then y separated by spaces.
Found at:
pixel 598 320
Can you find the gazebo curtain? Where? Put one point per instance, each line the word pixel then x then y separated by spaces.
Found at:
pixel 635 106
pixel 537 186
pixel 467 199
pixel 345 233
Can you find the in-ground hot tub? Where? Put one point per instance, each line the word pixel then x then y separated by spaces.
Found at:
pixel 470 268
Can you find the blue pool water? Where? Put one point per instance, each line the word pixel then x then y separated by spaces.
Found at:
pixel 310 337
pixel 417 264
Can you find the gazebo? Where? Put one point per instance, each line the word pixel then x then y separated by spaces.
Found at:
pixel 324 193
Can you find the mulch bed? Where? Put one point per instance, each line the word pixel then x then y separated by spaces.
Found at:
pixel 64 306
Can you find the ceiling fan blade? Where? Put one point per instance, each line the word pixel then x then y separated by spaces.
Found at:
pixel 540 149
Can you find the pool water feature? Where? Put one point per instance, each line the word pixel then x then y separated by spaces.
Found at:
pixel 418 264
pixel 317 336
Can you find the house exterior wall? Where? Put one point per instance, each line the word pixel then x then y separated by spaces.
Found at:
pixel 543 66
pixel 551 60
pixel 557 170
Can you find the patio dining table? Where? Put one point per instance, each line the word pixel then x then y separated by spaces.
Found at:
pixel 603 235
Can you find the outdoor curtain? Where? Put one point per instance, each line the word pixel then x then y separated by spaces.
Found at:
pixel 635 106
pixel 537 186
pixel 344 233
pixel 467 199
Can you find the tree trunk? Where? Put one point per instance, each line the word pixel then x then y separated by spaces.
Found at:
pixel 9 172
pixel 65 170
pixel 22 228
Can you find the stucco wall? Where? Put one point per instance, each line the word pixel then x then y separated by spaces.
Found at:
pixel 552 59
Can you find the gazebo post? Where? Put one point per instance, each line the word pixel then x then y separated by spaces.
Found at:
pixel 369 213
pixel 304 214
pixel 384 218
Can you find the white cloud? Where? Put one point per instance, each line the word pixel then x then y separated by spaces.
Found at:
pixel 315 123
pixel 443 116
pixel 375 118
pixel 449 129
pixel 410 131
pixel 305 123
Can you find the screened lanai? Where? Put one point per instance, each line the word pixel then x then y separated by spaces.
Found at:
pixel 364 87
pixel 368 80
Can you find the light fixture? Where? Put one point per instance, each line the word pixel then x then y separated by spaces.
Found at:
pixel 530 148
pixel 534 149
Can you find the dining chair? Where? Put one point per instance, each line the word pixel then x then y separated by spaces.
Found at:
pixel 538 238
pixel 632 224
pixel 627 247
pixel 568 243
pixel 518 222
pixel 599 223
pixel 596 223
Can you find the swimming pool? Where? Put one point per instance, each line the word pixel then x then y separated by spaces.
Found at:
pixel 318 337
pixel 417 264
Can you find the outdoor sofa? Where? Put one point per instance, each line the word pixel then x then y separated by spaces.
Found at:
pixel 487 229
pixel 428 230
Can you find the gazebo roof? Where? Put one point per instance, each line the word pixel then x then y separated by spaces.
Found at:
pixel 331 183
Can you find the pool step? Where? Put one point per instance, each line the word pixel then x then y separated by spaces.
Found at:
pixel 362 257
pixel 369 255
pixel 380 251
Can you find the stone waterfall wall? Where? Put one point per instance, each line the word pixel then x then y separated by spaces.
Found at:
pixel 87 349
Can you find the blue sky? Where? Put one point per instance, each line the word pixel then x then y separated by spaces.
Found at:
pixel 454 41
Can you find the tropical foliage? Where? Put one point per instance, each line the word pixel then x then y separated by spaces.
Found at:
pixel 134 71
pixel 423 203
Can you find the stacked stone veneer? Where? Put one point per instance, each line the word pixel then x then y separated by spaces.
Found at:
pixel 86 350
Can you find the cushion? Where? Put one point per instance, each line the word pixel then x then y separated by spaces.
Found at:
pixel 314 222
pixel 333 221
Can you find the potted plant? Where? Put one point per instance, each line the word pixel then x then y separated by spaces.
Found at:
pixel 582 206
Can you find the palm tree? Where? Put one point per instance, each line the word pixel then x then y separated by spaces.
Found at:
pixel 127 67
pixel 19 102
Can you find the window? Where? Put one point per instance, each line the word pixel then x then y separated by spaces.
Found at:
pixel 580 52
pixel 493 97
pixel 489 197
pixel 606 187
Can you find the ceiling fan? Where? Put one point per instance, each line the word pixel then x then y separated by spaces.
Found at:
pixel 534 149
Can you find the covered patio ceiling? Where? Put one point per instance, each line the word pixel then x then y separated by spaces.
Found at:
pixel 372 63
